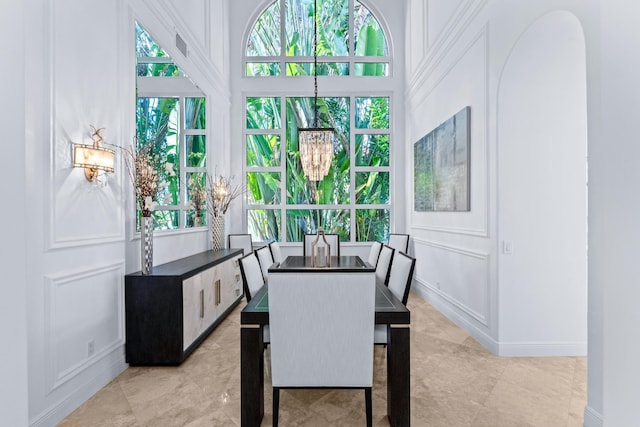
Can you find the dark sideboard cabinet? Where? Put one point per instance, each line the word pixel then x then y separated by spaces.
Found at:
pixel 172 310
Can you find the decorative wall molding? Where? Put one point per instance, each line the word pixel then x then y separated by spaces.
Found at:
pixel 442 45
pixel 53 284
pixel 459 305
pixel 433 298
pixel 483 230
pixel 58 157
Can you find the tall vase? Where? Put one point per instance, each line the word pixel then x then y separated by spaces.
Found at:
pixel 217 232
pixel 146 244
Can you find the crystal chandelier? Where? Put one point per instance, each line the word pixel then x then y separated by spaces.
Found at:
pixel 316 143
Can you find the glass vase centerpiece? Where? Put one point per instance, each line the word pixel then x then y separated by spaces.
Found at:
pixel 144 168
pixel 320 251
pixel 221 192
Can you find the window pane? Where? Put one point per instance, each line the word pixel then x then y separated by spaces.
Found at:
pixel 369 38
pixel 196 191
pixel 263 113
pixel 372 224
pixel 194 113
pixel 372 150
pixel 263 150
pixel 264 224
pixel 166 220
pixel 265 36
pixel 324 69
pixel 196 221
pixel 304 221
pixel 196 151
pixel 371 69
pixel 263 188
pixel 157 122
pixel 152 60
pixel 332 28
pixel 372 187
pixel 372 113
pixel 334 188
pixel 256 69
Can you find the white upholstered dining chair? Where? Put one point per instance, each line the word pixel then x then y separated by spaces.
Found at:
pixel 399 283
pixel 399 242
pixel 241 241
pixel 266 260
pixel 311 346
pixel 276 253
pixel 332 239
pixel 384 262
pixel 374 253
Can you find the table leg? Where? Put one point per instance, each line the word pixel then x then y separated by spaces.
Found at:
pixel 398 377
pixel 251 377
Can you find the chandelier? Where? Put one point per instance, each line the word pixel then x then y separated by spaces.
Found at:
pixel 316 143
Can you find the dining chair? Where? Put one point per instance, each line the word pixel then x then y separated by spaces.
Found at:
pixel 332 239
pixel 310 345
pixel 399 283
pixel 276 253
pixel 374 253
pixel 266 260
pixel 399 242
pixel 242 241
pixel 252 278
pixel 384 262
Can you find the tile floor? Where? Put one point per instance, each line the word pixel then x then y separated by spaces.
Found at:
pixel 455 382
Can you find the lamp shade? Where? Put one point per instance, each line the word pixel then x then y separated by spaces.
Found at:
pixel 93 159
pixel 316 151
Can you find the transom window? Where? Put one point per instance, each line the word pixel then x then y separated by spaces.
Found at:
pixel 353 200
pixel 171 113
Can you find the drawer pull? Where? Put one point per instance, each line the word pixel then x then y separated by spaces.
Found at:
pixel 218 292
pixel 201 303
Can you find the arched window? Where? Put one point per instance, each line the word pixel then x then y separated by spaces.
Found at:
pixel 353 200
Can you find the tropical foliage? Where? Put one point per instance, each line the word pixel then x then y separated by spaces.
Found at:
pixel 279 194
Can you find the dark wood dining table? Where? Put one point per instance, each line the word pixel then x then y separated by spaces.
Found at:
pixel 389 312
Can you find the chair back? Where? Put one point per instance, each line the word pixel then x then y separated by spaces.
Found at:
pixel 265 259
pixel 374 253
pixel 399 242
pixel 384 262
pixel 321 328
pixel 241 241
pixel 332 239
pixel 401 275
pixel 252 279
pixel 276 253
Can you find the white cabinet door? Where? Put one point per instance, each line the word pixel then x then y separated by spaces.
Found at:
pixel 209 279
pixel 192 309
pixel 231 284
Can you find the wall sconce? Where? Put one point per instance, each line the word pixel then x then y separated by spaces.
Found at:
pixel 93 158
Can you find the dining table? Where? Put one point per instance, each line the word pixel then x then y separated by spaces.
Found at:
pixel 389 311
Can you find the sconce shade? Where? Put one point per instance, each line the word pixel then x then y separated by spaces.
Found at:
pixel 93 159
pixel 316 151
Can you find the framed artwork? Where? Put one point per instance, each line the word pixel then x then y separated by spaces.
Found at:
pixel 441 166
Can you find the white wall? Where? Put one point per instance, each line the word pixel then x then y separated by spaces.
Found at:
pixel 526 89
pixel 614 230
pixel 13 304
pixel 542 142
pixel 78 70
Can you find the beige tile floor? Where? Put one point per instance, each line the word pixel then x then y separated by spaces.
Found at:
pixel 454 382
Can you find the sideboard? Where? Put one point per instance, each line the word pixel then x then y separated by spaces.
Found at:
pixel 170 311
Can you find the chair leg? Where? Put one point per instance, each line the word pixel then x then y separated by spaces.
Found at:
pixel 276 405
pixel 367 398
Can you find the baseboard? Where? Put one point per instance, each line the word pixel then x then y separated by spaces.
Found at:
pixel 530 349
pixel 592 418
pixel 59 411
pixel 534 349
pixel 450 313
